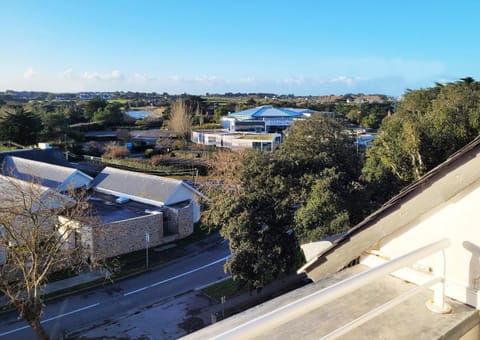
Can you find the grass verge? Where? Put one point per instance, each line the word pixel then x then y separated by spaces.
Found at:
pixel 227 288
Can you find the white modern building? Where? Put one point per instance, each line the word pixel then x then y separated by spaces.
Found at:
pixel 266 119
pixel 237 140
pixel 258 128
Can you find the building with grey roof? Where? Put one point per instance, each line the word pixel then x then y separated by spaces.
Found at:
pixel 127 207
pixel 150 189
pixel 53 176
pixel 50 155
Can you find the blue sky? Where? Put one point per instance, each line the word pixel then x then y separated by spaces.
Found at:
pixel 300 47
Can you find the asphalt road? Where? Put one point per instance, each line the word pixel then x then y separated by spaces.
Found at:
pixel 98 305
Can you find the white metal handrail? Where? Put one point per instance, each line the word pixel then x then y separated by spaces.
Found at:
pixel 313 301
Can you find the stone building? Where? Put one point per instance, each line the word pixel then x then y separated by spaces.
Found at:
pixel 133 207
pixel 131 210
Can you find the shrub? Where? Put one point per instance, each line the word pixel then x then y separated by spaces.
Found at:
pixel 92 149
pixel 149 153
pixel 116 151
pixel 178 144
pixel 161 159
pixel 208 126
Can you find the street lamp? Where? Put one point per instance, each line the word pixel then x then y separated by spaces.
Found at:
pixel 147 241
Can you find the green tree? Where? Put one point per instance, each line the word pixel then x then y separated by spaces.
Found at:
pixel 321 168
pixel 55 124
pixel 73 113
pixel 354 115
pixel 110 115
pixel 451 122
pixel 92 106
pixel 315 144
pixel 257 222
pixel 427 127
pixel 302 191
pixel 21 127
pixel 324 212
pixel 220 111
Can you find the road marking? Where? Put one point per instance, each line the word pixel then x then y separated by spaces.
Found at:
pixel 177 276
pixel 52 318
pixel 72 312
pixel 14 330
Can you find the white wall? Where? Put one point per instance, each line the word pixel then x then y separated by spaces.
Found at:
pixel 196 211
pixel 458 221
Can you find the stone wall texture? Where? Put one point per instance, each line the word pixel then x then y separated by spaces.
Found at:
pixel 180 220
pixel 124 236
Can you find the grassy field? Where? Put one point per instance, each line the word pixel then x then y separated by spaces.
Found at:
pixel 119 101
pixel 6 148
pixel 224 100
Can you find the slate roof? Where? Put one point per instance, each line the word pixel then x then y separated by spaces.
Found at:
pixel 268 111
pixel 49 175
pixel 143 187
pixel 52 156
pixel 13 193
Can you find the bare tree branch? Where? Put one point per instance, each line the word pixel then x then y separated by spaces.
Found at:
pixel 37 236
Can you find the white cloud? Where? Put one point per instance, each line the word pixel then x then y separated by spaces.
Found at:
pixel 208 80
pixel 297 80
pixel 114 75
pixel 175 78
pixel 142 77
pixel 66 74
pixel 376 67
pixel 29 73
pixel 347 80
pixel 246 80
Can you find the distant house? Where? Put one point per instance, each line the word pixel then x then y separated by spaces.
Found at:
pixel 91 95
pixel 410 270
pixel 56 177
pixel 267 119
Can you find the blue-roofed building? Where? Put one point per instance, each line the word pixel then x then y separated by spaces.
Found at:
pixel 266 118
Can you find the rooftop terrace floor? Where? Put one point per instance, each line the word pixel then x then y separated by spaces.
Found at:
pixel 408 320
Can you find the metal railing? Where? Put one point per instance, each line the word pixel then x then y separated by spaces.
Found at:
pixel 279 316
